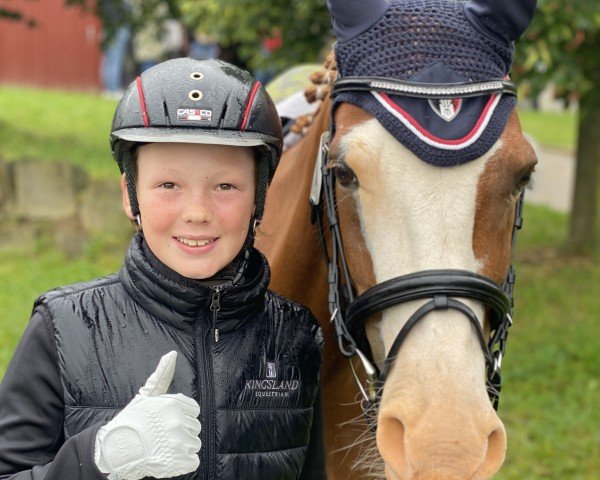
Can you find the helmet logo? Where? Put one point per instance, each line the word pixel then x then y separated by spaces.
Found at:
pixel 194 114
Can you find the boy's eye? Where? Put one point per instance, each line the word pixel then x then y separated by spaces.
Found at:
pixel 168 185
pixel 225 186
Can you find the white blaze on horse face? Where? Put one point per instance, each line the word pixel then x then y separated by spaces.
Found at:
pixel 414 217
pixel 434 410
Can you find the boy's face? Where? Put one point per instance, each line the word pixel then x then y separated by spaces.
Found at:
pixel 196 202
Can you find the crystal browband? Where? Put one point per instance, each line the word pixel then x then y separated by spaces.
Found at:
pixel 423 90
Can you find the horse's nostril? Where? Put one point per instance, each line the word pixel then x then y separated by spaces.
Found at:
pixel 496 452
pixel 391 444
pixel 421 450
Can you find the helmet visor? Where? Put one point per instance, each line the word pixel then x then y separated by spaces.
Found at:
pixel 184 135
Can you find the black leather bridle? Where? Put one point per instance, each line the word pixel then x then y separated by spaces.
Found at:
pixel 442 288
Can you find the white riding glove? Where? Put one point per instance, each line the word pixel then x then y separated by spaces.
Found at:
pixel 155 435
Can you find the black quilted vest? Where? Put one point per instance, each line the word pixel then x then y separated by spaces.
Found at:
pixel 256 385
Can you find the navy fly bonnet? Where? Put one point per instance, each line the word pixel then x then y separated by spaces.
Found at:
pixel 432 42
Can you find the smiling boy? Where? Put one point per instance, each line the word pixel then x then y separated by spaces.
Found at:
pixel 195 208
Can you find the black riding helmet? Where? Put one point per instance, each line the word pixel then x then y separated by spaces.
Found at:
pixel 197 101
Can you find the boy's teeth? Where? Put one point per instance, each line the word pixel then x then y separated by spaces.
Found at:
pixel 194 243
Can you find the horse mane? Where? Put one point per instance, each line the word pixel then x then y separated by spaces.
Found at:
pixel 321 85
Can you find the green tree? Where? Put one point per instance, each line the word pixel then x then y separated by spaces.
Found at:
pixel 134 13
pixel 305 28
pixel 562 46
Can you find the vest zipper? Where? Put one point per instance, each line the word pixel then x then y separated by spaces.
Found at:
pixel 205 388
pixel 215 306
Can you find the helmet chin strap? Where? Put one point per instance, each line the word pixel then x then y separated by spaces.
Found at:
pixel 129 171
pixel 248 245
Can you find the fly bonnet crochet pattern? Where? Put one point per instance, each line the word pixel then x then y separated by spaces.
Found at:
pixel 433 43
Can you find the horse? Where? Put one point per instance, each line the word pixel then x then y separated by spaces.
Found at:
pixel 418 214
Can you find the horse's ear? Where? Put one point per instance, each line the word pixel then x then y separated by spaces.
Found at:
pixel 507 19
pixel 352 17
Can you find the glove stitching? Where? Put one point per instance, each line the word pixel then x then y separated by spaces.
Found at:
pixel 156 418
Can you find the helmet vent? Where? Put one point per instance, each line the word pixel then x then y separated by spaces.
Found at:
pixel 196 76
pixel 224 111
pixel 195 95
pixel 166 112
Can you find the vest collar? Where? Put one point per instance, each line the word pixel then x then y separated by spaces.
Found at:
pixel 181 301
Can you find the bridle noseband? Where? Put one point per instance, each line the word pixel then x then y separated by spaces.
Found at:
pixel 442 288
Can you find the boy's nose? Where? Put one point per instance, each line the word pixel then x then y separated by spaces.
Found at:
pixel 197 211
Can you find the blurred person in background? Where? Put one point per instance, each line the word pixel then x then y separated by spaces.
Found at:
pixel 202 46
pixel 116 45
pixel 270 43
pixel 158 40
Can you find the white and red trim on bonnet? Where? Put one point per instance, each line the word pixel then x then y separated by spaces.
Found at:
pixel 427 137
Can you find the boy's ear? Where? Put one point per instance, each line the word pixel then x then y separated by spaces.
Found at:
pixel 125 198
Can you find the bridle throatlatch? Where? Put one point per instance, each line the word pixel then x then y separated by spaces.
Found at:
pixel 442 288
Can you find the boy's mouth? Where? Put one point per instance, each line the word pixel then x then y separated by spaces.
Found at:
pixel 195 243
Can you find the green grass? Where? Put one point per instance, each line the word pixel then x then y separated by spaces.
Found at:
pixel 26 273
pixel 57 126
pixel 551 373
pixel 553 129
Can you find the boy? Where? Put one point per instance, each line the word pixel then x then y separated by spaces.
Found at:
pixel 197 143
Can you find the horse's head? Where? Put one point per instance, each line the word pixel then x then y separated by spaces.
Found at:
pixel 429 179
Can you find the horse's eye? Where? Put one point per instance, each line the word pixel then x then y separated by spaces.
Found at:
pixel 345 175
pixel 522 183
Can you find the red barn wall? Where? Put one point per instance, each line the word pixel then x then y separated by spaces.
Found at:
pixel 62 51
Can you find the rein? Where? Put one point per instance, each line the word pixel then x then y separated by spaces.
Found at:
pixel 350 312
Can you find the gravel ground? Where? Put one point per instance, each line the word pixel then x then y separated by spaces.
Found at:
pixel 554 179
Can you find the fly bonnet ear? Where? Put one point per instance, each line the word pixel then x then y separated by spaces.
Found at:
pixel 500 19
pixel 352 17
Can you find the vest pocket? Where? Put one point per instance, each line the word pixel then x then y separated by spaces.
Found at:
pixel 78 418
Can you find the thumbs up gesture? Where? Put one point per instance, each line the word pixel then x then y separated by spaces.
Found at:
pixel 155 435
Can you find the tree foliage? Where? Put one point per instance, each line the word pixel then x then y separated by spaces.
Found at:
pixel 305 28
pixel 562 46
pixel 133 13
